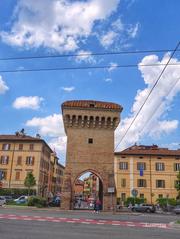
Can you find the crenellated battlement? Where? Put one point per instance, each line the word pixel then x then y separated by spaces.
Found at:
pixel 90 121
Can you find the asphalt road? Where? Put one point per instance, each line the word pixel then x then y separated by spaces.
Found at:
pixel 20 229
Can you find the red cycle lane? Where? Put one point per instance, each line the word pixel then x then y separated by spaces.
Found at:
pixel 85 221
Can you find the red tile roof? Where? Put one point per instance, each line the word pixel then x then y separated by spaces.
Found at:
pixel 18 137
pixel 22 138
pixel 149 150
pixel 91 104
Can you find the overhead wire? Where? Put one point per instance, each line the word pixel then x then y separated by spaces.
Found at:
pixel 156 82
pixel 85 54
pixel 160 104
pixel 84 68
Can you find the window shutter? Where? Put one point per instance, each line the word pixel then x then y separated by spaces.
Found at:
pixel 32 160
pixel 1 159
pixel 7 160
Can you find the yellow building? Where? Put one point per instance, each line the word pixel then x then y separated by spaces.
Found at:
pixel 58 174
pixel 20 154
pixel 151 170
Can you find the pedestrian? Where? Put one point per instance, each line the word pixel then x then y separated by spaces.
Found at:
pixel 79 203
pixel 98 206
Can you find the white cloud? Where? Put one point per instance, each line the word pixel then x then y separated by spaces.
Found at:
pixel 59 145
pixel 30 102
pixel 118 35
pixel 85 56
pixel 113 66
pixel 133 30
pixel 108 80
pixel 56 24
pixel 3 86
pixel 117 25
pixel 151 121
pixel 51 125
pixel 108 39
pixel 68 89
pixel 172 145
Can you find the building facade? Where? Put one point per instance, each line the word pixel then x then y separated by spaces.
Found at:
pixel 91 186
pixel 151 170
pixel 20 154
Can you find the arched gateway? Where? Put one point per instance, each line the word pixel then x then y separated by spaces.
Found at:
pixel 90 126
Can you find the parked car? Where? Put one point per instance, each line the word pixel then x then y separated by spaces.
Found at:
pixel 177 209
pixel 143 208
pixel 2 201
pixel 55 202
pixel 21 199
pixel 8 198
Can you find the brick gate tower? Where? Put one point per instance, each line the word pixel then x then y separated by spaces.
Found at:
pixel 89 126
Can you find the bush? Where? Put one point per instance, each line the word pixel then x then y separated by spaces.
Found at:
pixel 163 202
pixel 37 201
pixel 16 192
pixel 133 201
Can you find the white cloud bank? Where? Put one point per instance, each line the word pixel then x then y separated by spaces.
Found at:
pixel 151 121
pixel 56 24
pixel 51 126
pixel 118 33
pixel 28 102
pixel 3 86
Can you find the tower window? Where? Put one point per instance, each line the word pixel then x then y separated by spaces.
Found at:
pixel 90 141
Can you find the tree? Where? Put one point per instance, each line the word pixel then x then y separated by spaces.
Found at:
pixel 177 186
pixel 29 181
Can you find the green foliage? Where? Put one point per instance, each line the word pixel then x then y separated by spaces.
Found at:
pixel 16 192
pixel 37 201
pixel 136 200
pixel 163 202
pixel 29 181
pixel 177 186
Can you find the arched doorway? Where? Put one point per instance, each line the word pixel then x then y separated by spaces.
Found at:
pixel 87 188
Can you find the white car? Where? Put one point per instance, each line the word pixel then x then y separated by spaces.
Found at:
pixel 21 199
pixel 2 201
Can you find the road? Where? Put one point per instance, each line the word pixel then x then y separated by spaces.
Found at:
pixel 50 224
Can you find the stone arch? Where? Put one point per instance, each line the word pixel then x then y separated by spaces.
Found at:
pixel 86 171
pixel 97 194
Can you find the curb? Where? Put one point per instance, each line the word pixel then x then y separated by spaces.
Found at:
pixel 174 225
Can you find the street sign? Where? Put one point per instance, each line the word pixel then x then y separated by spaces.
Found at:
pixel 1 175
pixel 111 190
pixel 134 192
pixel 141 172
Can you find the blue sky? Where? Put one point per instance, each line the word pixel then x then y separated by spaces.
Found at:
pixel 32 100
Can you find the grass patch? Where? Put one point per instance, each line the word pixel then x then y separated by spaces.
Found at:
pixel 178 222
pixel 16 204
